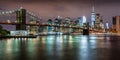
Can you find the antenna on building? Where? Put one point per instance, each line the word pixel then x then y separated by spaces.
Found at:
pixel 93 6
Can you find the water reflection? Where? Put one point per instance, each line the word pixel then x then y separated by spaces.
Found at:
pixel 60 47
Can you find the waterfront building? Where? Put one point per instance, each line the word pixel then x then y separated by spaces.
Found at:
pixel 116 24
pixel 33 29
pixel 19 33
pixel 50 28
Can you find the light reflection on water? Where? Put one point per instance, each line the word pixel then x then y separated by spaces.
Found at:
pixel 56 47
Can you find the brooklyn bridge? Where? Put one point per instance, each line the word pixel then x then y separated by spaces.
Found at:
pixel 35 26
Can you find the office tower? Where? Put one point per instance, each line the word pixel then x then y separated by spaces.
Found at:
pixel 59 20
pixel 67 21
pixel 116 23
pixel 21 19
pixel 107 25
pixel 49 28
pixel 98 21
pixel 92 17
pixel 84 19
pixel 80 21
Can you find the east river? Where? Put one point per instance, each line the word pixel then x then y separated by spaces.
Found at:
pixel 61 47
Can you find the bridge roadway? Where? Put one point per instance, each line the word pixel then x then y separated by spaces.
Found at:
pixel 28 24
pixel 13 23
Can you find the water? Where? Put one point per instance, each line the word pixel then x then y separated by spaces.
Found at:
pixel 61 47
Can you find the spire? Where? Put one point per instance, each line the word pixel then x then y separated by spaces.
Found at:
pixel 93 6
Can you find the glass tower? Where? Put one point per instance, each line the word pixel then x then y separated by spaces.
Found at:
pixel 93 17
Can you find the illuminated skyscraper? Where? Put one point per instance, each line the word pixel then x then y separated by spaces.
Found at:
pixel 107 25
pixel 93 17
pixel 98 21
pixel 80 21
pixel 67 20
pixel 49 28
pixel 84 19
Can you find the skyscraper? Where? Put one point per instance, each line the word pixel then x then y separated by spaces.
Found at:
pixel 67 20
pixel 93 14
pixel 98 21
pixel 93 17
pixel 80 21
pixel 84 19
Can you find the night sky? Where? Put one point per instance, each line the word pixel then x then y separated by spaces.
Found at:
pixel 66 8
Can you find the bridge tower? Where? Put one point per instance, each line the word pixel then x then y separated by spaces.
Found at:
pixel 21 19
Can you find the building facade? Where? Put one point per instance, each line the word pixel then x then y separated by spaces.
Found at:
pixel 116 23
pixel 93 17
pixel 80 21
pixel 33 29
pixel 98 22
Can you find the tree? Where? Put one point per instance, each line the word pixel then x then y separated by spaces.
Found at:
pixel 3 31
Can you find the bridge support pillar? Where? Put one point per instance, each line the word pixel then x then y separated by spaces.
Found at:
pixel 21 19
pixel 85 31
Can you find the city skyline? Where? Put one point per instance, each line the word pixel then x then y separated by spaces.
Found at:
pixel 66 8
